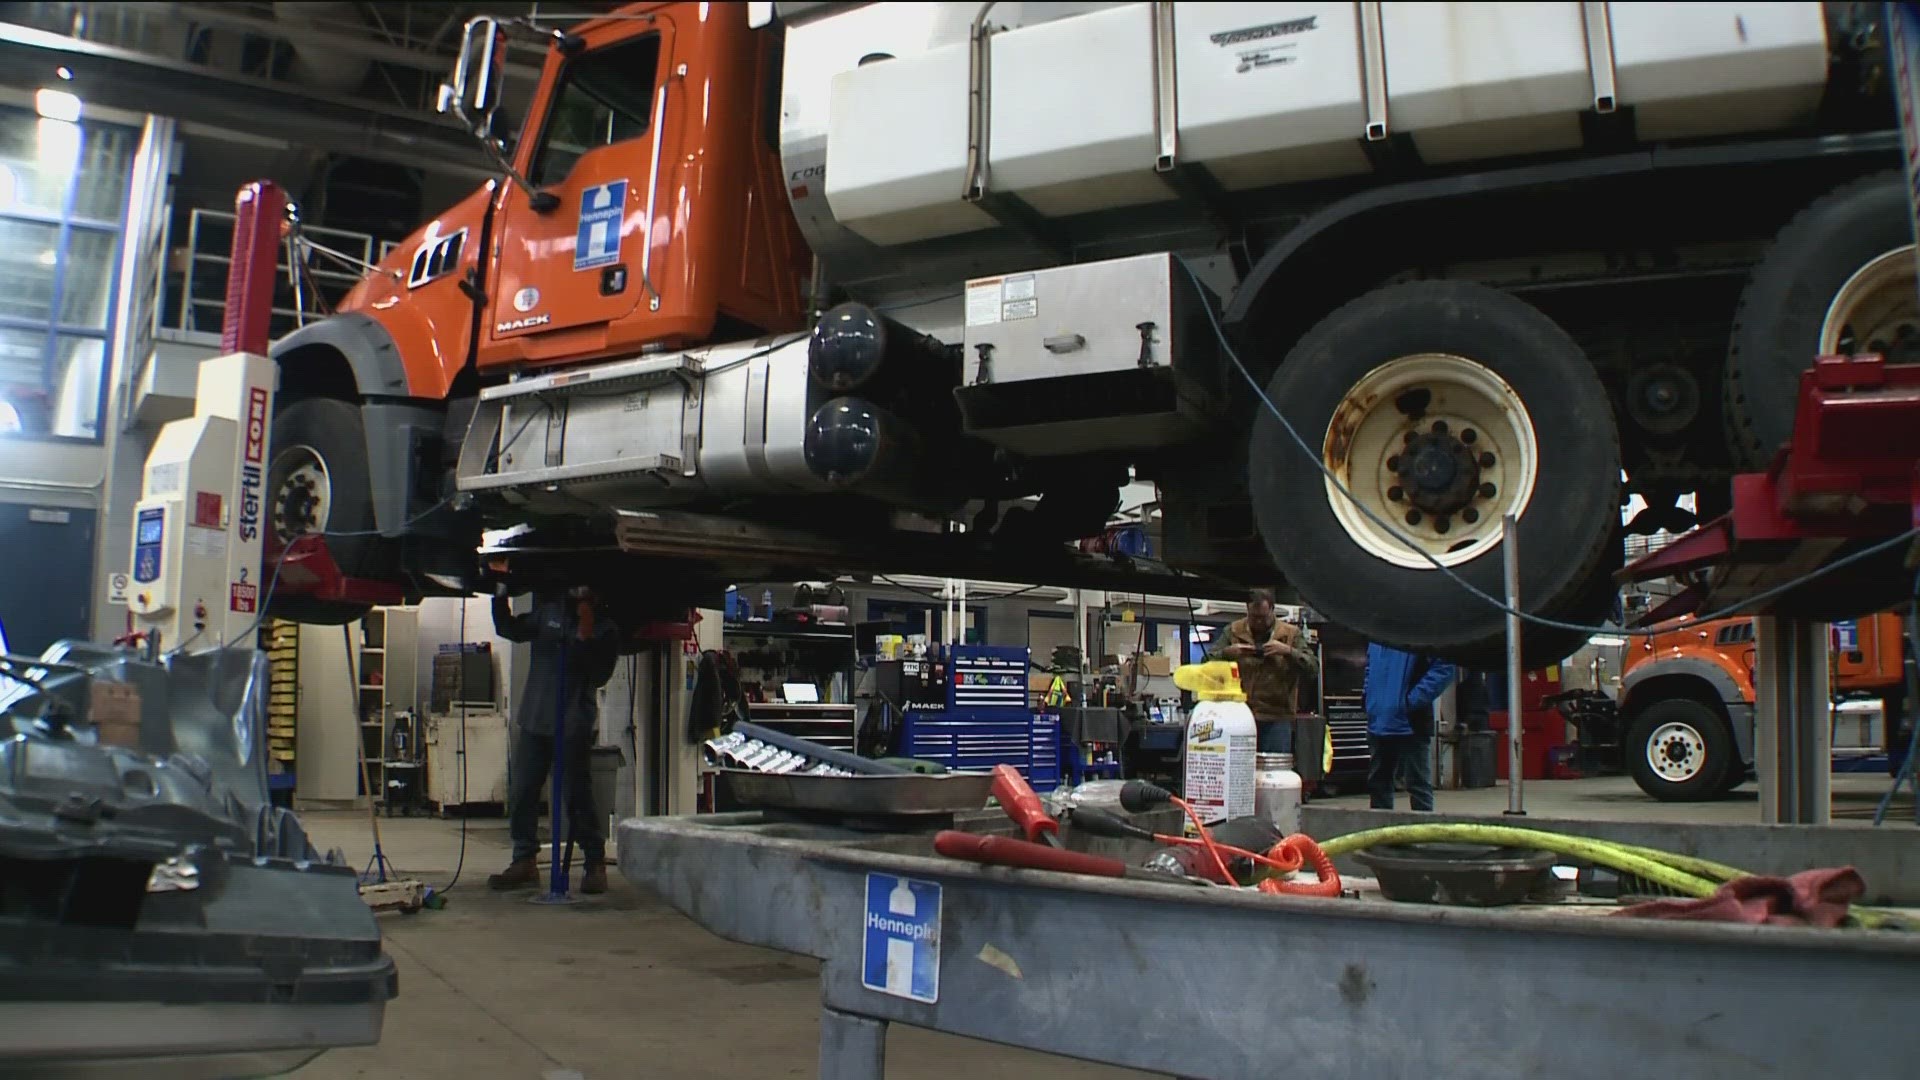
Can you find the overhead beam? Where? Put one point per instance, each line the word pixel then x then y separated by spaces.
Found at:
pixel 141 82
pixel 370 44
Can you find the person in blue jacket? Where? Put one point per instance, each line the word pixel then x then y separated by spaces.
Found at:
pixel 1401 688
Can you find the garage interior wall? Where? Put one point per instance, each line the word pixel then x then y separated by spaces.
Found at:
pixel 75 210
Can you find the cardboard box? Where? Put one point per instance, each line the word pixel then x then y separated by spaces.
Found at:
pixel 1155 664
pixel 114 708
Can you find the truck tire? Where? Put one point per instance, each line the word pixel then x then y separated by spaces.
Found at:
pixel 1679 750
pixel 1839 278
pixel 1441 406
pixel 317 481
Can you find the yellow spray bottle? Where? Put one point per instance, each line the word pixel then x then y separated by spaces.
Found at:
pixel 1221 740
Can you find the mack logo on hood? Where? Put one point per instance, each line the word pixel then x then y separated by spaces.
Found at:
pixel 522 324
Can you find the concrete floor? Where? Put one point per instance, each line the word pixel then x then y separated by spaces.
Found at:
pixel 617 986
pixel 1616 798
pixel 620 985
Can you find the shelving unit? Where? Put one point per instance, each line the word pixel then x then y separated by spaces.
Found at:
pixel 812 653
pixel 387 669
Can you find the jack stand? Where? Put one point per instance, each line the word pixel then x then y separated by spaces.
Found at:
pixel 1792 725
pixel 378 868
pixel 1516 730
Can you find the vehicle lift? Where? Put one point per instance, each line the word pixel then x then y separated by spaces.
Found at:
pixel 1845 495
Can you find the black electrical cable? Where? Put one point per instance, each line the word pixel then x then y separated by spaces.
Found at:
pixel 460 657
pixel 1737 608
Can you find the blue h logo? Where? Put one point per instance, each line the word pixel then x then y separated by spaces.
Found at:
pixel 602 212
pixel 901 950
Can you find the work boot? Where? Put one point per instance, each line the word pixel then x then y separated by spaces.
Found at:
pixel 519 874
pixel 593 881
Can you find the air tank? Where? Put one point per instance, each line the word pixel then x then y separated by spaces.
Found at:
pixel 855 348
pixel 855 445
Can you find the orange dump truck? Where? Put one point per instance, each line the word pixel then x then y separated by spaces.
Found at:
pixel 792 290
pixel 1686 699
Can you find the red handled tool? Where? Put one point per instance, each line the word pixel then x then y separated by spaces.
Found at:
pixel 1018 799
pixel 1006 851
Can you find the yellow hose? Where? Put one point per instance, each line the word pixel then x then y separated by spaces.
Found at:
pixel 1684 874
pixel 1606 853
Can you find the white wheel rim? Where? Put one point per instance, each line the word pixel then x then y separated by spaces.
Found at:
pixel 1876 311
pixel 1676 752
pixel 303 499
pixel 1484 440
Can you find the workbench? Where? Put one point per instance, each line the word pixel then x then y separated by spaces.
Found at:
pixel 1225 983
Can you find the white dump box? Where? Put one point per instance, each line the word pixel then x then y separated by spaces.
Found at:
pixel 1264 94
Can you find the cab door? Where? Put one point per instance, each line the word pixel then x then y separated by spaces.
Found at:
pixel 570 253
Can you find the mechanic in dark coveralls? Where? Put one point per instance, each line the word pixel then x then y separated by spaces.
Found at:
pixel 559 624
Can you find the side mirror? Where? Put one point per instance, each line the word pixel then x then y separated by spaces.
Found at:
pixel 474 97
pixel 475 91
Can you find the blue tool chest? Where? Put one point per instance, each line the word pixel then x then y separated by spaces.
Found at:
pixel 986 720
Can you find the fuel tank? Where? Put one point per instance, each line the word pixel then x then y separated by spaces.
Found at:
pixel 855 407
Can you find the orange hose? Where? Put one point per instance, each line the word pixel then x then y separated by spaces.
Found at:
pixel 1206 839
pixel 1302 847
pixel 1285 860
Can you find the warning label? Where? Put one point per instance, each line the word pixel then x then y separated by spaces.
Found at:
pixel 1219 777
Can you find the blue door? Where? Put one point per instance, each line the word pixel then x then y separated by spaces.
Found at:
pixel 46 577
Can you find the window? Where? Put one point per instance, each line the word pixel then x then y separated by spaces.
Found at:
pixel 63 192
pixel 603 98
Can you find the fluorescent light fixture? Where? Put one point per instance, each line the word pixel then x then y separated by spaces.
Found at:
pixel 1607 642
pixel 48 257
pixel 57 104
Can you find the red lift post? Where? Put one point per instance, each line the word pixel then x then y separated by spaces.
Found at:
pixel 302 567
pixel 1843 497
pixel 1847 487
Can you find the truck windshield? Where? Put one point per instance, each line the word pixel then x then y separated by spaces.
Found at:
pixel 602 98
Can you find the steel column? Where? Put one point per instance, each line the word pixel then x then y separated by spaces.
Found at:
pixel 1792 725
pixel 852 1047
pixel 1516 731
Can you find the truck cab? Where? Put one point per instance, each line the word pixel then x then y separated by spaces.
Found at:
pixel 640 208
pixel 1687 698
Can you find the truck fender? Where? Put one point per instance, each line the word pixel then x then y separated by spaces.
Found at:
pixel 1739 709
pixel 391 423
pixel 1293 264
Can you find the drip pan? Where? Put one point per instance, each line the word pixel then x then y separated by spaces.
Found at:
pixel 1469 875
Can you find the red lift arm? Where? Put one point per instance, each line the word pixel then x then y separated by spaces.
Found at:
pixel 1848 480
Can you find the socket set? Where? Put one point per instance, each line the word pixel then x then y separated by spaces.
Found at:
pixel 741 751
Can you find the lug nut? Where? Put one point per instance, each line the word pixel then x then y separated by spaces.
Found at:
pixel 1442 524
pixel 1469 515
pixel 1393 463
pixel 1408 438
pixel 1468 435
pixel 1439 427
pixel 1394 494
pixel 1486 491
pixel 1486 460
pixel 1413 517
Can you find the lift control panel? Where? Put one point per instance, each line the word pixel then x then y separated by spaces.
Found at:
pixel 202 515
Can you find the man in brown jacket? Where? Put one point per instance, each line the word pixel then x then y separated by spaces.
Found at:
pixel 1273 658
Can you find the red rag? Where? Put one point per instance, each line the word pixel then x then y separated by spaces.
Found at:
pixel 1809 898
